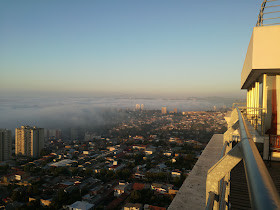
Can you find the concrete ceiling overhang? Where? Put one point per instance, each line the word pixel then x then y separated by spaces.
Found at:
pixel 263 55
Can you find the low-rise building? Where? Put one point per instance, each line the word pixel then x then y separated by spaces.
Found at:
pixel 80 205
pixel 121 189
pixel 133 206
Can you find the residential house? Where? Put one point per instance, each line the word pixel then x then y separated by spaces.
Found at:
pixel 133 206
pixel 80 205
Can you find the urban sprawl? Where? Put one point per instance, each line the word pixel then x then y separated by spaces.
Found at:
pixel 137 161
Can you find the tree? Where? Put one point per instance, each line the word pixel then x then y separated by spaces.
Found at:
pixel 45 152
pixel 135 196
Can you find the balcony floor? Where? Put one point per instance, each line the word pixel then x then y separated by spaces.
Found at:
pixel 239 196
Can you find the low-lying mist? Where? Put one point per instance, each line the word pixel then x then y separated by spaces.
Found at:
pixel 66 112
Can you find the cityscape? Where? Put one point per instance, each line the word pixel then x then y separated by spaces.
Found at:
pixel 139 105
pixel 140 160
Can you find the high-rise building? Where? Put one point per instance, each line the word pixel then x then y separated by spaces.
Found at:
pixel 142 106
pixel 175 110
pixel 163 110
pixel 137 107
pixel 5 144
pixel 29 141
pixel 215 108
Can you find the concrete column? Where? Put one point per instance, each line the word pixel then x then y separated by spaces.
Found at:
pixel 264 94
pixel 249 101
pixel 257 102
pixel 257 84
pixel 252 111
pixel 278 102
pixel 269 82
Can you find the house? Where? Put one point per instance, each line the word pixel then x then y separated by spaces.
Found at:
pixel 161 166
pixel 80 205
pixel 138 186
pixel 45 202
pixel 121 189
pixel 150 151
pixel 139 147
pixel 19 175
pixel 158 187
pixel 150 207
pixel 116 167
pixel 96 190
pixel 139 175
pixel 167 153
pixel 133 206
pixel 176 173
pixel 116 202
pixel 161 188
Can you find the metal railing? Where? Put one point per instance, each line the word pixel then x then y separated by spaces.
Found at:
pixel 275 11
pixel 222 185
pixel 256 116
pixel 262 191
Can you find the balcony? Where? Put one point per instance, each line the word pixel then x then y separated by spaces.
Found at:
pixel 241 168
pixel 237 165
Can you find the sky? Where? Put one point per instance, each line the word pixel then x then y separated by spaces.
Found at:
pixel 124 47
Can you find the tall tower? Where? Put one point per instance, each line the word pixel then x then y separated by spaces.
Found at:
pixel 163 110
pixel 29 141
pixel 142 106
pixel 175 110
pixel 5 144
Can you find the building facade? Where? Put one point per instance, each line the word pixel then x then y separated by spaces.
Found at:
pixel 29 141
pixel 5 144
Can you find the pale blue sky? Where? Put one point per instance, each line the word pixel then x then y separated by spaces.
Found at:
pixel 137 47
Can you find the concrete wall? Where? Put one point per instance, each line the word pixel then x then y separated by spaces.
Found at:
pixel 263 53
pixel 192 194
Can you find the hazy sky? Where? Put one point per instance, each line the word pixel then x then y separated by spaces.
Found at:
pixel 155 47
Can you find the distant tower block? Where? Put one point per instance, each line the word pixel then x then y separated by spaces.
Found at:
pixel 214 108
pixel 29 141
pixel 5 144
pixel 175 110
pixel 142 106
pixel 137 106
pixel 163 110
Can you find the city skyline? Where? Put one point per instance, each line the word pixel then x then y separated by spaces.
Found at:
pixel 113 48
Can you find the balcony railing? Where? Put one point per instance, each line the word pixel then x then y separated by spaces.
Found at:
pixel 272 13
pixel 262 191
pixel 256 116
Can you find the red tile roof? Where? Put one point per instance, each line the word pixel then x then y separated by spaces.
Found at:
pixel 138 186
pixel 156 208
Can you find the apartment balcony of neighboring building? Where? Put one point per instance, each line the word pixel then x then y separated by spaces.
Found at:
pixel 240 169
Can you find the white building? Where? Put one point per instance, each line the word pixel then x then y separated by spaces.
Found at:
pixel 29 141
